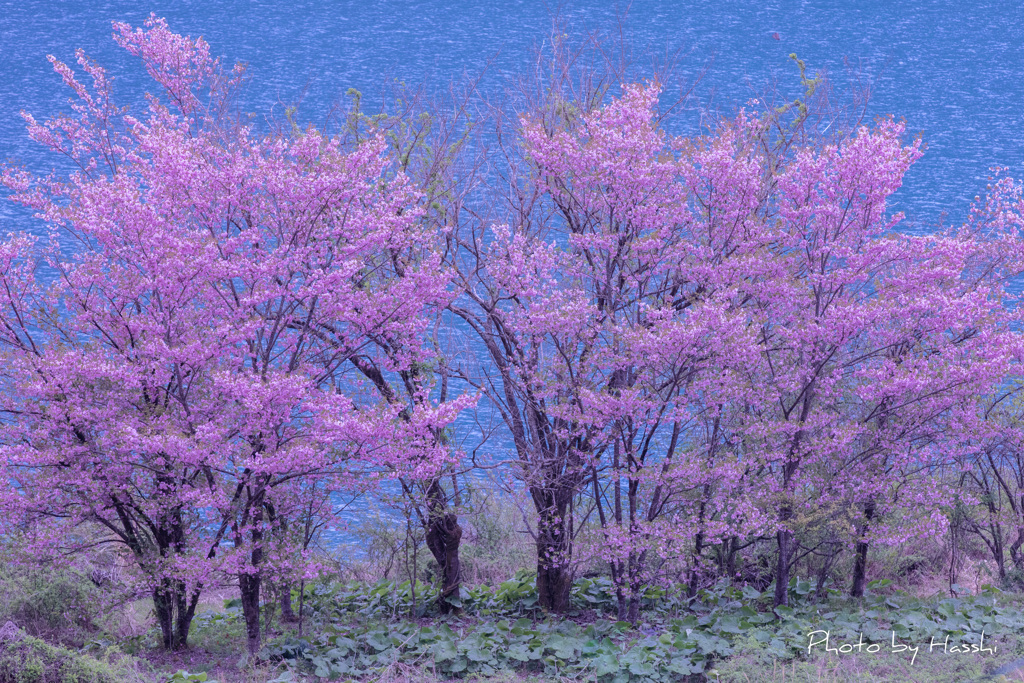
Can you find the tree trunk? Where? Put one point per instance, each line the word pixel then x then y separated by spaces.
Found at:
pixel 250 581
pixel 826 565
pixel 698 549
pixel 163 605
pixel 784 535
pixel 249 586
pixel 619 579
pixel 730 561
pixel 1000 557
pixel 636 586
pixel 860 562
pixel 633 616
pixel 996 545
pixel 284 589
pixel 174 613
pixel 554 550
pixel 1015 554
pixel 287 615
pixel 443 536
pixel 954 552
pixel 183 620
pixel 173 606
pixel 554 584
pixel 785 540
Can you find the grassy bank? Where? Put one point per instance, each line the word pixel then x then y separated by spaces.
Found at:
pixel 357 626
pixel 386 632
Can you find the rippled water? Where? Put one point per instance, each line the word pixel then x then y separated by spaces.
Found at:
pixel 954 70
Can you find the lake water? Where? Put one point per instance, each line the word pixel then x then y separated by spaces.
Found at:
pixel 954 70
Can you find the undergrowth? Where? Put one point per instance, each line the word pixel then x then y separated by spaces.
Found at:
pixel 727 633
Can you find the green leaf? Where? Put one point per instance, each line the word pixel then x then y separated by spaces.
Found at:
pixel 518 652
pixel 562 647
pixel 605 664
pixel 683 666
pixel 444 650
pixel 378 641
pixel 751 593
pixel 729 624
pixel 642 669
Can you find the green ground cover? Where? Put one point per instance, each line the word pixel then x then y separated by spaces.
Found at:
pixel 388 633
pixel 367 632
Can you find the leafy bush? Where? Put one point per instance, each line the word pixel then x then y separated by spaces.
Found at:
pixel 61 605
pixel 30 660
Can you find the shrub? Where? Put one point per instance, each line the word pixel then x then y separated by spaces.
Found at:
pixel 56 605
pixel 26 659
pixel 495 543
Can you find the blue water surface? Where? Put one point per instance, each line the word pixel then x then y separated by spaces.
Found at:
pixel 953 69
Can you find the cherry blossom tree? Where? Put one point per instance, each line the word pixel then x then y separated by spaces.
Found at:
pixel 747 294
pixel 428 140
pixel 184 373
pixel 532 261
pixel 660 333
pixel 988 464
pixel 870 341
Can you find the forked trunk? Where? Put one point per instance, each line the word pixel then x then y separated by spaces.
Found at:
pixel 174 612
pixel 1015 553
pixel 443 536
pixel 163 606
pixel 183 620
pixel 860 561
